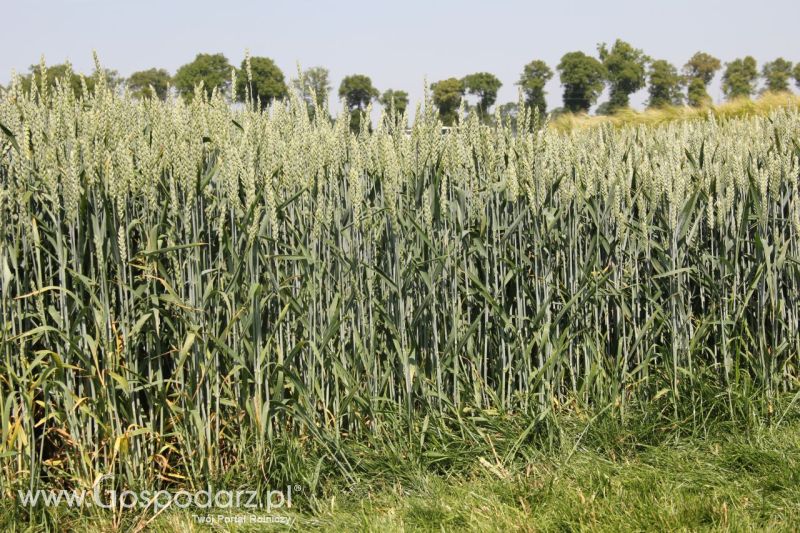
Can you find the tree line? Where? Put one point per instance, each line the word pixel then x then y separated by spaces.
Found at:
pixel 621 67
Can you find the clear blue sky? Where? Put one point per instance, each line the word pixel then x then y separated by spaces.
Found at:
pixel 397 43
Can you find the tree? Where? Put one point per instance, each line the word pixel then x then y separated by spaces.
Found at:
pixel 533 79
pixel 582 78
pixel 797 74
pixel 664 84
pixel 143 83
pixel 606 108
pixel 777 75
pixel 625 71
pixel 63 74
pixel 394 101
pixel 740 77
pixel 699 71
pixel 696 93
pixel 357 91
pixel 313 81
pixel 211 69
pixel 484 85
pixel 113 79
pixel 509 113
pixel 268 83
pixel 703 66
pixel 60 74
pixel 447 97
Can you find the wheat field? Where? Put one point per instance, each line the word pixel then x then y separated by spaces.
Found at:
pixel 185 283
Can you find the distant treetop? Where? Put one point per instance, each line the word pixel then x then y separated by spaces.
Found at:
pixel 211 69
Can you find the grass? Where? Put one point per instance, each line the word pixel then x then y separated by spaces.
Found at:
pixel 742 485
pixel 601 476
pixel 742 107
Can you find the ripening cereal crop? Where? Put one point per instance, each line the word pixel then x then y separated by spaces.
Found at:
pixel 178 277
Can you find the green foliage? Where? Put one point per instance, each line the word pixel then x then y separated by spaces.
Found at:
pixel 664 84
pixel 356 116
pixel 777 75
pixel 394 102
pixel 797 74
pixel 509 113
pixel 703 66
pixel 484 85
pixel 55 74
pixel 533 79
pixel 740 78
pixel 699 71
pixel 212 70
pixel 582 78
pixel 625 68
pixel 150 83
pixel 313 85
pixel 59 74
pixel 357 91
pixel 447 98
pixel 606 109
pixel 268 83
pixel 696 93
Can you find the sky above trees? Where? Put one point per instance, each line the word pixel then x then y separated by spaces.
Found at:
pixel 399 44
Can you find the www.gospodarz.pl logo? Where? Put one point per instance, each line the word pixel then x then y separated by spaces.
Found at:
pixel 111 498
